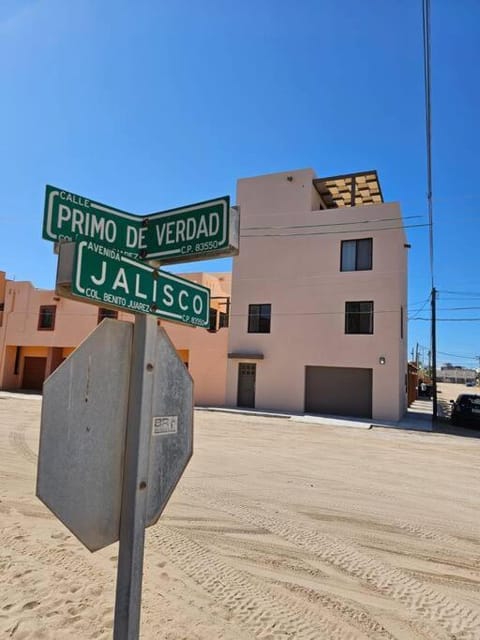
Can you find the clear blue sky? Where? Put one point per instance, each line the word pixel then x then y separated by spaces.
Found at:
pixel 147 105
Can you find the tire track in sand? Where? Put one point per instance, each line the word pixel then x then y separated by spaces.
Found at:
pixel 19 443
pixel 267 613
pixel 457 620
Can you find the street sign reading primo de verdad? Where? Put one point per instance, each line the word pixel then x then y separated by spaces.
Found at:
pixel 195 232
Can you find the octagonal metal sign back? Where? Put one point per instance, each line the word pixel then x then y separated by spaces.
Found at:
pixel 82 437
pixel 84 425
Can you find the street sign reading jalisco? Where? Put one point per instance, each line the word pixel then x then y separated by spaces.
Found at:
pixel 110 279
pixel 195 232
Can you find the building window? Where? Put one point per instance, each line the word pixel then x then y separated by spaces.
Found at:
pixel 223 320
pixel 359 317
pixel 106 313
pixel 16 366
pixel 259 318
pixel 212 321
pixel 46 318
pixel 356 255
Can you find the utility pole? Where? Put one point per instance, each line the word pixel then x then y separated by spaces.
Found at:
pixel 434 353
pixel 416 355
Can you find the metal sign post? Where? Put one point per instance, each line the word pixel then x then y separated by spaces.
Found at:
pixel 134 497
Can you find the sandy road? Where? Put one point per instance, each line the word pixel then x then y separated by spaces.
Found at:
pixel 277 530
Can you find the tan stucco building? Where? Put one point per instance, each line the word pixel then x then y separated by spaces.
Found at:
pixel 311 319
pixel 38 330
pixel 327 283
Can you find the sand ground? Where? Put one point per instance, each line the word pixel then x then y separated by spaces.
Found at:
pixel 277 530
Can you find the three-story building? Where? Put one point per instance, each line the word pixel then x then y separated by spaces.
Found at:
pixel 319 297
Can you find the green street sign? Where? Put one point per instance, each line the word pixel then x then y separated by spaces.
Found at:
pixel 69 217
pixel 188 233
pixel 109 278
pixel 196 232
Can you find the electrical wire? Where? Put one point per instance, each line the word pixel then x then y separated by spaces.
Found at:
pixel 450 319
pixel 456 308
pixel 421 309
pixel 453 355
pixel 461 293
pixel 324 233
pixel 327 224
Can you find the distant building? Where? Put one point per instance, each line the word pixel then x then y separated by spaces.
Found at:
pixel 312 318
pixel 459 375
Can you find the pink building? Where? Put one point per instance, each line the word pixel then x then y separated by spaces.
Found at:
pixel 319 297
pixel 38 330
pixel 317 317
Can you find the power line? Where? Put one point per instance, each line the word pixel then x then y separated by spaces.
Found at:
pixel 421 309
pixel 324 233
pixel 453 355
pixel 450 319
pixel 456 308
pixel 455 300
pixel 326 224
pixel 461 293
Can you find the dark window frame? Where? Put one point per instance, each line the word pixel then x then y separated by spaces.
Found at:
pixel 357 241
pixel 260 317
pixel 223 320
pixel 104 312
pixel 212 320
pixel 44 310
pixel 357 316
pixel 16 364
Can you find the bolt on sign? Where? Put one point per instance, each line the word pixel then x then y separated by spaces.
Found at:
pixel 108 278
pixel 195 232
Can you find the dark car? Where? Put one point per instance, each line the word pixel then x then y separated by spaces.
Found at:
pixel 466 410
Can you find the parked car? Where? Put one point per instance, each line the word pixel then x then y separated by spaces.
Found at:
pixel 466 410
pixel 470 383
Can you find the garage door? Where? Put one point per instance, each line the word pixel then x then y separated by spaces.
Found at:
pixel 34 373
pixel 338 391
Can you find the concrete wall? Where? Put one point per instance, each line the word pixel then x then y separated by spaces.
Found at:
pixel 300 276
